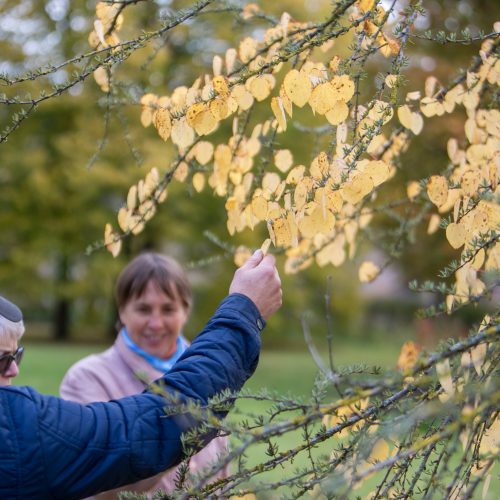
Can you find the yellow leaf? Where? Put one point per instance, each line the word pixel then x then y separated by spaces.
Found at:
pixel 161 194
pixel 381 110
pixel 323 98
pixel 148 102
pixel 151 182
pixel 282 232
pixel 365 5
pixel 203 152
pixel 193 111
pixel 181 172
pixel 247 49
pixel 334 63
pixel 391 81
pixel 368 271
pixel 274 210
pixel 198 181
pixel 265 246
pixel 241 95
pixel 286 102
pixel 338 113
pixel 437 189
pixel 296 174
pixel 378 171
pixel 491 439
pixel 343 87
pixel 102 79
pixel 112 240
pixel 230 59
pixel 357 188
pixel 205 122
pixel 217 65
pixel 408 356
pixel 300 194
pixel 283 159
pixel 320 166
pixel 220 85
pixel 443 371
pixel 219 108
pixel 259 207
pixel 297 87
pixel 334 201
pixel 409 119
pixel 270 182
pixel 431 107
pixel 260 86
pixel 319 221
pixel 182 134
pixel 478 261
pixel 434 222
pixel 123 219
pixel 163 123
pixel 249 11
pixel 471 179
pixel 413 190
pixel 455 234
pixel 279 112
pixel 132 198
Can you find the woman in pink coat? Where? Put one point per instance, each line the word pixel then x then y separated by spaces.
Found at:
pixel 154 300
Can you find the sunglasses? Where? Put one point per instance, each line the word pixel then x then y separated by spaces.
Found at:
pixel 6 360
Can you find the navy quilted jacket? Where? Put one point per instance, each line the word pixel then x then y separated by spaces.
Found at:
pixel 51 448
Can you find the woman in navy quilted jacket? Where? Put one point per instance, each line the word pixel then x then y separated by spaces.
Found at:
pixel 51 448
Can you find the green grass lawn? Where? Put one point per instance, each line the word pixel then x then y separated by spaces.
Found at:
pixel 45 364
pixel 286 372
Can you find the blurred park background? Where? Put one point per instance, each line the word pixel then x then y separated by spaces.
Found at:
pixel 66 171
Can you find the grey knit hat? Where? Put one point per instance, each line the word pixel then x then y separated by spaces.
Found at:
pixel 10 311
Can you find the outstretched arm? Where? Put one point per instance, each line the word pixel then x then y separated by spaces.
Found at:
pixel 83 450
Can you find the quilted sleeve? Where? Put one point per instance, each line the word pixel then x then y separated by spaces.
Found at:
pixel 101 446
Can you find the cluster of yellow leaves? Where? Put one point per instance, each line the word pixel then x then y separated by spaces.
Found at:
pixel 310 210
pixel 374 37
pixel 197 110
pixel 314 209
pixel 312 85
pixel 108 23
pixel 142 200
pixel 476 170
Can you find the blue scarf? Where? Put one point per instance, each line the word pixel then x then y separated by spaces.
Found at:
pixel 162 365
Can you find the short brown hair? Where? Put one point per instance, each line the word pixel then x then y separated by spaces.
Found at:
pixel 158 268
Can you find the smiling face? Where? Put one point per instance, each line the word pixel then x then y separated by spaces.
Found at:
pixel 8 346
pixel 154 320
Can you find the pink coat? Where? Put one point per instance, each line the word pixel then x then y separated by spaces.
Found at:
pixel 112 375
